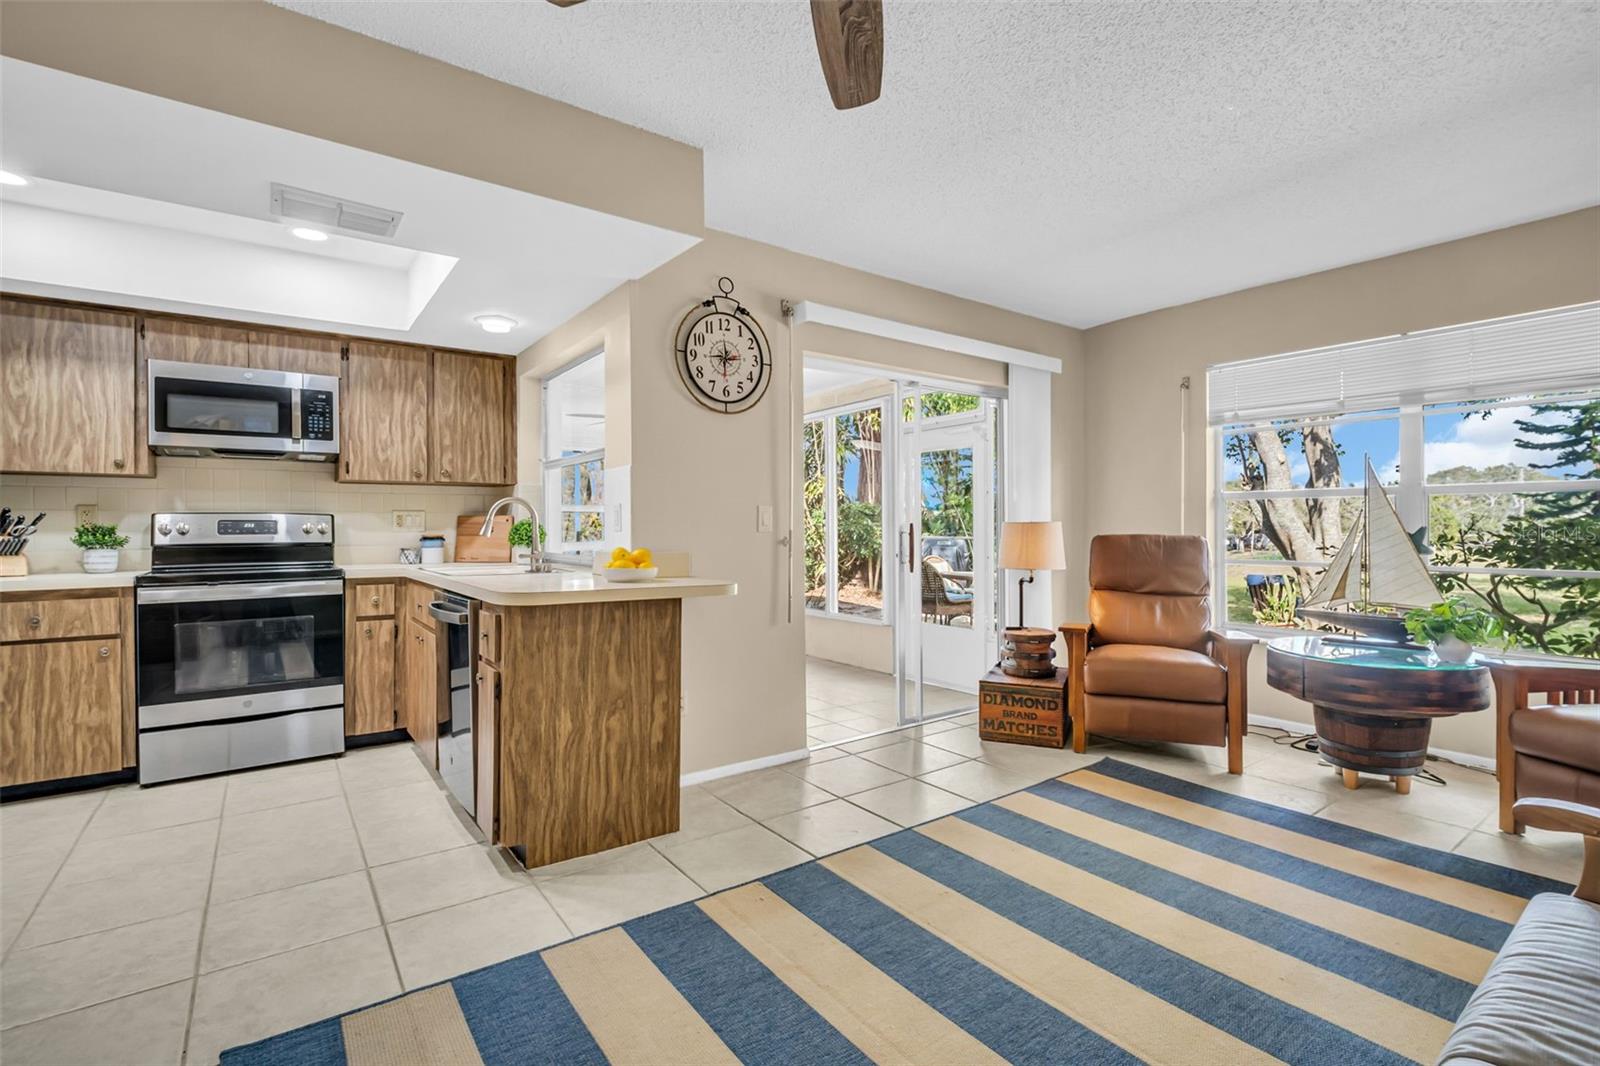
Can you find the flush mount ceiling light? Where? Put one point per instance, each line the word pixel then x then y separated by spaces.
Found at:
pixel 495 323
pixel 8 178
pixel 306 233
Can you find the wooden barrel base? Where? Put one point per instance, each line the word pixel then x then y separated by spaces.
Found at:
pixel 1372 743
pixel 1028 652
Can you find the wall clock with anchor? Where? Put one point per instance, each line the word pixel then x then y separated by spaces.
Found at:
pixel 723 355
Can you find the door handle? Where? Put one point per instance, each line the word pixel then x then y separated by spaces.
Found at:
pixel 911 547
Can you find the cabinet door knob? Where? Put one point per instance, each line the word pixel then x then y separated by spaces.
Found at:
pixel 34 621
pixel 374 601
pixel 369 631
pixel 416 473
pixel 118 463
pixel 105 653
pixel 444 473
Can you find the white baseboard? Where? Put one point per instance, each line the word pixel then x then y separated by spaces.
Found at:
pixel 1477 762
pixel 700 777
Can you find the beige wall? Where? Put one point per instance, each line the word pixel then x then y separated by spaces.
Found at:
pixel 1131 439
pixel 863 644
pixel 266 64
pixel 698 476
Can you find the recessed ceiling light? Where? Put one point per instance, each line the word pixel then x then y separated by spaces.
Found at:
pixel 306 233
pixel 8 178
pixel 496 323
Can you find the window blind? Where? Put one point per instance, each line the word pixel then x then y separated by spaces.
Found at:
pixel 1547 351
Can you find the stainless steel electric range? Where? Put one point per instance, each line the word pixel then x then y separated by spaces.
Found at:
pixel 240 634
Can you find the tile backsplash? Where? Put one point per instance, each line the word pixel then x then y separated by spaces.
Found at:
pixel 363 530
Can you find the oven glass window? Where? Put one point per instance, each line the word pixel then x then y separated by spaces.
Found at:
pixel 211 657
pixel 187 412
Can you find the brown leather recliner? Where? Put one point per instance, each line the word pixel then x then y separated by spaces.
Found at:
pixel 1547 750
pixel 1148 665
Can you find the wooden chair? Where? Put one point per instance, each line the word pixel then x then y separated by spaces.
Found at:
pixel 937 602
pixel 1548 750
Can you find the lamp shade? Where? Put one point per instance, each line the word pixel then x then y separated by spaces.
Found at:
pixel 1032 546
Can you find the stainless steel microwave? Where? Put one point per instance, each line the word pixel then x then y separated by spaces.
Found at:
pixel 200 409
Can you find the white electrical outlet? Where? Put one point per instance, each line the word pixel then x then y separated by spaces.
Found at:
pixel 85 514
pixel 764 518
pixel 409 520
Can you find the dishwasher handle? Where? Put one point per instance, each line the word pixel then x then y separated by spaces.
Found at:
pixel 445 613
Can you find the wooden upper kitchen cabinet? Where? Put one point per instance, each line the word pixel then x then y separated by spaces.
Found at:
pixel 68 391
pixel 186 341
pixel 383 401
pixel 296 353
pixel 60 710
pixel 469 444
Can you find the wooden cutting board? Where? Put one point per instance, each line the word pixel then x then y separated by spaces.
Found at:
pixel 471 548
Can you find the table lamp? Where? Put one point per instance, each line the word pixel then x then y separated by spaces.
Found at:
pixel 1030 546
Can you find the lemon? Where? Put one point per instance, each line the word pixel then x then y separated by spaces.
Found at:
pixel 641 557
pixel 618 554
pixel 622 564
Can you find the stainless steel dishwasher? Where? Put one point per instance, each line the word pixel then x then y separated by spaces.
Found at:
pixel 457 617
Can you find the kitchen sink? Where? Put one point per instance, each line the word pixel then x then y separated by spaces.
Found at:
pixel 475 569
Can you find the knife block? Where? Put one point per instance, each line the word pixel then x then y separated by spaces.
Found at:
pixel 13 566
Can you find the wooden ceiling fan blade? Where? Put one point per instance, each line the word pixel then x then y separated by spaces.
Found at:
pixel 566 3
pixel 850 45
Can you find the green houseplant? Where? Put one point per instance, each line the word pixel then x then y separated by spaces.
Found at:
pixel 520 535
pixel 102 547
pixel 1452 628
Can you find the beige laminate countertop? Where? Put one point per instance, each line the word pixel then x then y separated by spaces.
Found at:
pixel 119 579
pixel 540 590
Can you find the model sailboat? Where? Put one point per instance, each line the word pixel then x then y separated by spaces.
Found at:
pixel 1378 565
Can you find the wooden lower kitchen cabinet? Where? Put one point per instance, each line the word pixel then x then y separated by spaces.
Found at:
pixel 421 679
pixel 585 730
pixel 370 640
pixel 66 685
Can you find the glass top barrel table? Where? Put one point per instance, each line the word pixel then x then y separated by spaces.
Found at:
pixel 1374 704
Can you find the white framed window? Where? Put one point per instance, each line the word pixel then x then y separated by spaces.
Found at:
pixel 1498 483
pixel 846 492
pixel 574 448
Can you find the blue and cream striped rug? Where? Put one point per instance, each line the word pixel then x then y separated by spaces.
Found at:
pixel 1111 915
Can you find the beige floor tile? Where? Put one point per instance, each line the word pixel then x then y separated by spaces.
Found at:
pixel 272 923
pixel 23 880
pixel 700 814
pixel 1407 827
pixel 963 740
pixel 1452 804
pixel 137 853
pixel 732 858
pixel 281 786
pixel 51 824
pixel 403 801
pixel 935 726
pixel 1040 763
pixel 830 712
pixel 830 827
pixel 1556 855
pixel 912 757
pixel 279 864
pixel 70 910
pixel 130 809
pixel 41 982
pixel 145 1028
pixel 1248 785
pixel 910 803
pixel 639 882
pixel 421 833
pixel 767 792
pixel 446 943
pixel 388 766
pixel 833 732
pixel 246 1003
pixel 443 879
pixel 583 863
pixel 283 825
pixel 843 777
pixel 879 740
pixel 817 756
pixel 978 780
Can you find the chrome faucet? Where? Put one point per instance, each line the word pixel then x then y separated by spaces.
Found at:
pixel 536 563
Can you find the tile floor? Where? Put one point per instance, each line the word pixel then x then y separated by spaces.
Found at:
pixel 161 926
pixel 847 702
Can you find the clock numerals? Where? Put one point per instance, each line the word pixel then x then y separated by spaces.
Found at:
pixel 722 357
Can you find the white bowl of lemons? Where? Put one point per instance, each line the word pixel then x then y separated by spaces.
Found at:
pixel 625 565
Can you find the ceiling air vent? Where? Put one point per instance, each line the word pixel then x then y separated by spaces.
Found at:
pixel 330 212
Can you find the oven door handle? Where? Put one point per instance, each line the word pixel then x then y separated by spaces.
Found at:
pixel 216 593
pixel 457 617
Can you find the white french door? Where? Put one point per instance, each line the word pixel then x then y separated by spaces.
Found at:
pixel 947 513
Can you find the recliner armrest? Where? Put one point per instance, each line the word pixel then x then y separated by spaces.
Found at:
pixel 1230 652
pixel 1561 816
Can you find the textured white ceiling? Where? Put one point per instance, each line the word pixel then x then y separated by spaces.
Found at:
pixel 1085 161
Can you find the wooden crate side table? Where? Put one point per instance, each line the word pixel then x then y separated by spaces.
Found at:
pixel 1024 710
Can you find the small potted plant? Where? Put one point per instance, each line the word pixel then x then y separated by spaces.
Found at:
pixel 102 547
pixel 520 535
pixel 1452 628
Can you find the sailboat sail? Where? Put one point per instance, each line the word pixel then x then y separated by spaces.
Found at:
pixel 1396 574
pixel 1336 587
pixel 1379 553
